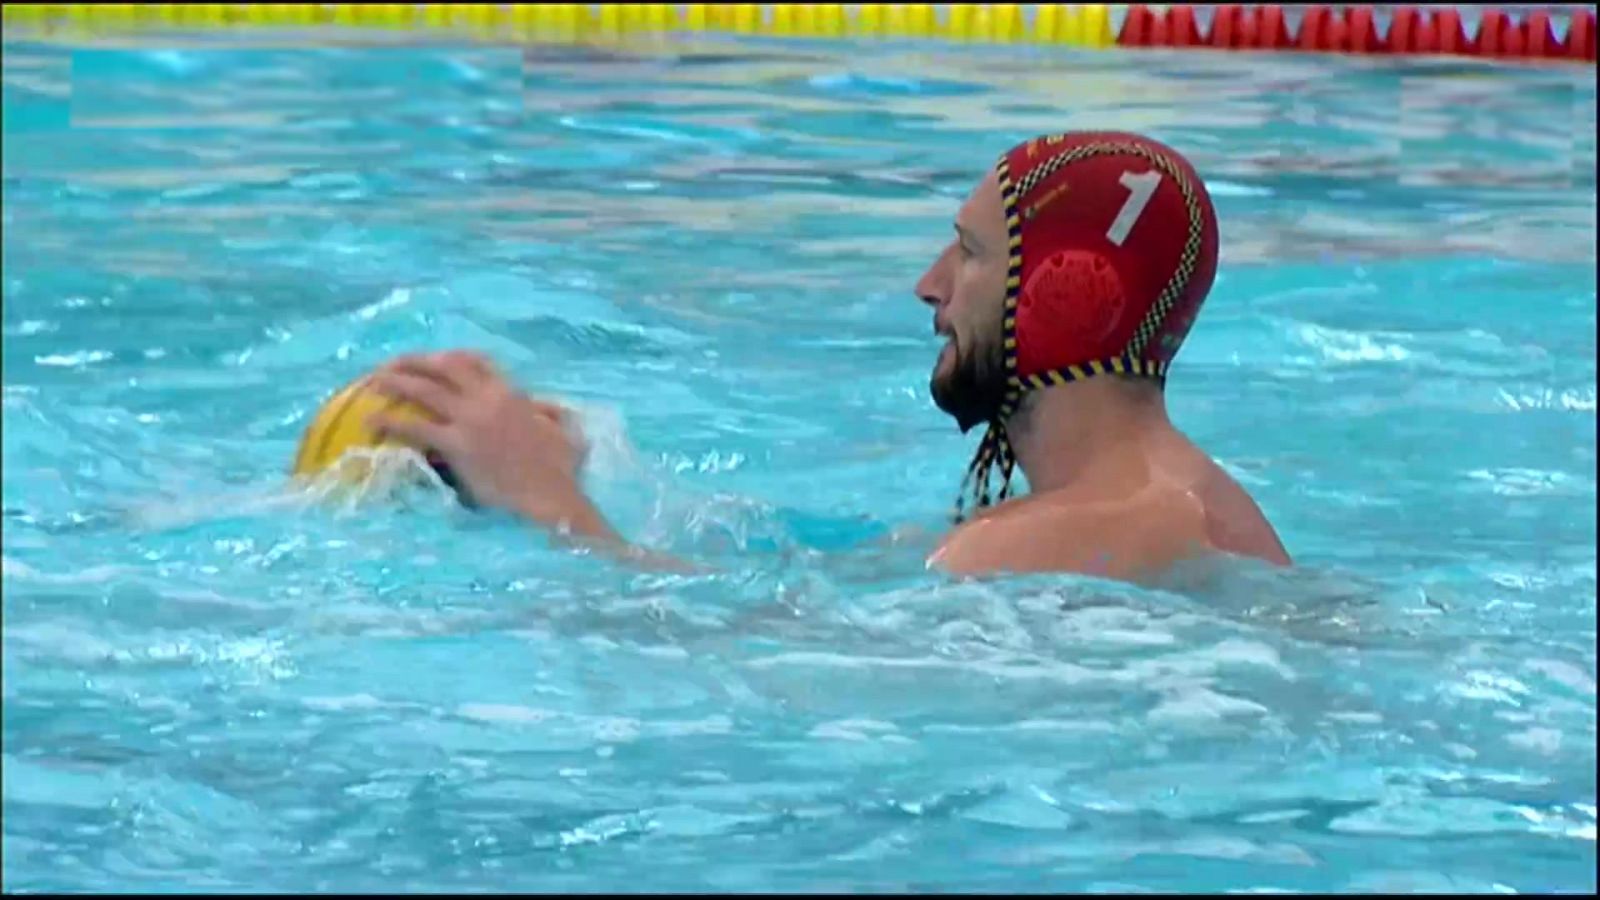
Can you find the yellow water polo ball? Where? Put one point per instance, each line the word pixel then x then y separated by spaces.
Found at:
pixel 341 426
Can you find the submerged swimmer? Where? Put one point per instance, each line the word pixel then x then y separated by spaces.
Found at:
pixel 1078 266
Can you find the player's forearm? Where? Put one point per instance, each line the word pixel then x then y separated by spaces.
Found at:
pixel 568 512
pixel 575 518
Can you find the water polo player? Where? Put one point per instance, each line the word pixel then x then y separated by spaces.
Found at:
pixel 1078 266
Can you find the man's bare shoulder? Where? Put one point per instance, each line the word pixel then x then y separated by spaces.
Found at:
pixel 1234 523
pixel 1199 510
pixel 1128 539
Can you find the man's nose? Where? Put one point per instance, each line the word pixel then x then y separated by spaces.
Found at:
pixel 933 287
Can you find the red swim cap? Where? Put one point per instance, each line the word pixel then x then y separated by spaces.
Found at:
pixel 1114 248
pixel 1113 243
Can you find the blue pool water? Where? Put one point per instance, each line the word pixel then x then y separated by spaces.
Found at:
pixel 211 684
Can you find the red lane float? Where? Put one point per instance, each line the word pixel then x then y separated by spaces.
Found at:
pixel 1412 30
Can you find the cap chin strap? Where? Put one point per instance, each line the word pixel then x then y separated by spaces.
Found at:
pixel 995 449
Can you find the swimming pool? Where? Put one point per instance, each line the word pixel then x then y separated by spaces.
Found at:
pixel 209 686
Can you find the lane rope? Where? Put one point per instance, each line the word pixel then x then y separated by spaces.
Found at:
pixel 1511 32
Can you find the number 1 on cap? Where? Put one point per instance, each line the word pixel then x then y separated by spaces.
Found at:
pixel 1140 188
